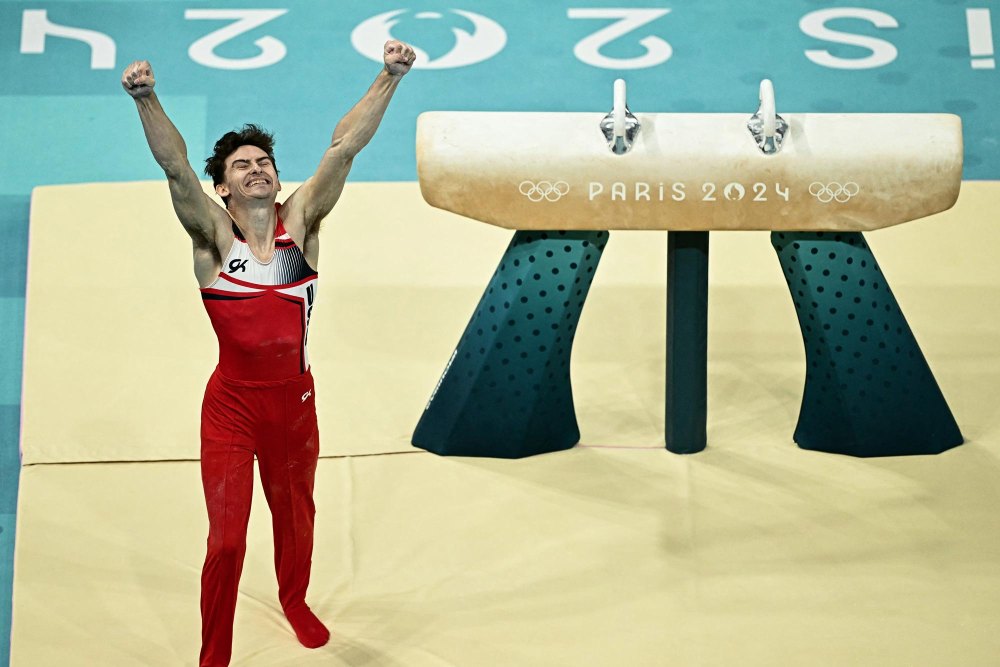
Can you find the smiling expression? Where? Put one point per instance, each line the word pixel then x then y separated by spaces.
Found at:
pixel 250 174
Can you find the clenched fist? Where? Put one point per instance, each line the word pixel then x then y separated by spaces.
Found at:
pixel 137 79
pixel 398 57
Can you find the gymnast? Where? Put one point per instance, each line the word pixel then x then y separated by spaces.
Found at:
pixel 255 262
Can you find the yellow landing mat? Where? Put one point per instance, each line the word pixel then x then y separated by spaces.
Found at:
pixel 752 552
pixel 118 347
pixel 758 554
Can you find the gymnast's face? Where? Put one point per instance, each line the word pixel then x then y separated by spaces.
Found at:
pixel 250 174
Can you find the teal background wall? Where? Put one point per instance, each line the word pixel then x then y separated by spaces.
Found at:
pixel 64 118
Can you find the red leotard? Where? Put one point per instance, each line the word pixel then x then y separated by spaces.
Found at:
pixel 260 402
pixel 260 311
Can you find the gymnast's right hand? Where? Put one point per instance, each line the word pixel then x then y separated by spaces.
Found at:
pixel 137 79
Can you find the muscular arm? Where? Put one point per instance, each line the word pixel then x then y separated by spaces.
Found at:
pixel 195 210
pixel 308 205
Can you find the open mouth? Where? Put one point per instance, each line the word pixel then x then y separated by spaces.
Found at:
pixel 257 181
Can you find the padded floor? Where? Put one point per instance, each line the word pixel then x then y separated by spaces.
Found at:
pixel 614 553
pixel 116 358
pixel 756 555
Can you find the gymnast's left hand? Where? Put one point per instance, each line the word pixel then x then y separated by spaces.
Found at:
pixel 398 57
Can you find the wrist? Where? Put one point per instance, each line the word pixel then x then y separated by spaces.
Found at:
pixel 392 75
pixel 147 99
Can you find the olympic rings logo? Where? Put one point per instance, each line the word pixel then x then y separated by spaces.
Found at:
pixel 546 190
pixel 834 191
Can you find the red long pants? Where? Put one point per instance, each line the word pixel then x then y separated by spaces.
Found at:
pixel 276 421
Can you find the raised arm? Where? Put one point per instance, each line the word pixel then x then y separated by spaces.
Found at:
pixel 196 210
pixel 315 199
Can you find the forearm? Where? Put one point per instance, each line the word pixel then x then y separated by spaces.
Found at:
pixel 358 126
pixel 165 142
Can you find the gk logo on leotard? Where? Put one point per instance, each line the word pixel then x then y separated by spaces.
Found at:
pixel 238 265
pixel 307 395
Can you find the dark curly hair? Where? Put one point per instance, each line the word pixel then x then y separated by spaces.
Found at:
pixel 248 135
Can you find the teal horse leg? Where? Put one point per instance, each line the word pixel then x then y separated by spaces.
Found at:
pixel 868 390
pixel 506 390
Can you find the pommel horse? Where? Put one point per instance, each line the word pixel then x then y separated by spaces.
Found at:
pixel 563 180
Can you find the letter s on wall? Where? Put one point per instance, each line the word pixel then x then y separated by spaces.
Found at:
pixel 882 52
